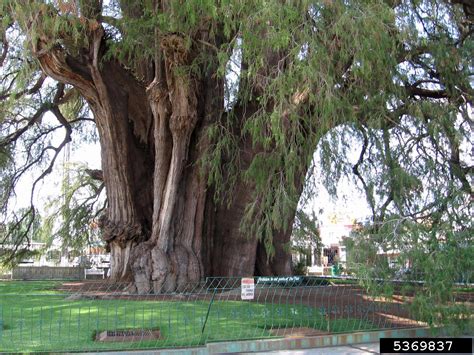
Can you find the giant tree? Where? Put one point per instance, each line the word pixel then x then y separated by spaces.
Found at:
pixel 209 112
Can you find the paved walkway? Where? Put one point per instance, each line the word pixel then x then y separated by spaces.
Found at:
pixel 370 348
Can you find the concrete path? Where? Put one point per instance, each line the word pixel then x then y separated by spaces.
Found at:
pixel 370 348
pixel 279 346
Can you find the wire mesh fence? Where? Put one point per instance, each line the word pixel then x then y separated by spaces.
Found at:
pixel 101 315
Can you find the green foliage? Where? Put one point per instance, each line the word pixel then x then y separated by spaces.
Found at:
pixel 28 132
pixel 78 207
pixel 304 240
pixel 17 236
pixel 300 268
pixel 306 231
pixel 432 260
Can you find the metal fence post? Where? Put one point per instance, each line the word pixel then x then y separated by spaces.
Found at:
pixel 208 310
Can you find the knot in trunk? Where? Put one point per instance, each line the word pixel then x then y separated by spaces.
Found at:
pixel 175 49
pixel 121 232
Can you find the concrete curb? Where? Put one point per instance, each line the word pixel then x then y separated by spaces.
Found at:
pixel 267 345
pixel 314 342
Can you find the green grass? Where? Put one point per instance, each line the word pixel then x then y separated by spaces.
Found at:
pixel 343 281
pixel 36 317
pixel 464 289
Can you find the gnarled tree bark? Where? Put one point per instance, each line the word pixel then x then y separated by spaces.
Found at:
pixel 162 225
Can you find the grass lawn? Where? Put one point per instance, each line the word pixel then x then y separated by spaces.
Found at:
pixel 35 317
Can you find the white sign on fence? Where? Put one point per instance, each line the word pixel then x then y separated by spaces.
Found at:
pixel 248 288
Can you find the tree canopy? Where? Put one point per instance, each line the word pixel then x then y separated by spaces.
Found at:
pixel 248 91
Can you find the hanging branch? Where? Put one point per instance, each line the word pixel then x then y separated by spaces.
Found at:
pixel 67 138
pixel 5 46
pixel 455 167
pixel 355 170
pixel 28 217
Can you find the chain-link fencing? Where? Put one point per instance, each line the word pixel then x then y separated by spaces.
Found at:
pixel 104 315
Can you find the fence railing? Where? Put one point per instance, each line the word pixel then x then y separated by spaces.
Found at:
pixel 100 315
pixel 48 273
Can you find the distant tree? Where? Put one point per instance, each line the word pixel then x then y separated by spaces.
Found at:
pixel 23 226
pixel 208 114
pixel 305 237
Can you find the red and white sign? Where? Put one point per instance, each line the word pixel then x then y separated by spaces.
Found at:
pixel 248 288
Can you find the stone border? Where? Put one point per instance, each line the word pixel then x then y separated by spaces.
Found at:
pixel 315 341
pixel 266 345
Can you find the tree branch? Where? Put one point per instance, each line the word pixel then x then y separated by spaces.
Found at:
pixel 4 51
pixel 355 170
pixel 31 212
pixel 57 150
pixel 434 94
pixel 36 87
pixel 95 174
pixel 468 7
pixel 45 107
pixel 454 161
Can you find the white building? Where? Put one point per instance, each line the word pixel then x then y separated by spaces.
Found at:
pixel 332 251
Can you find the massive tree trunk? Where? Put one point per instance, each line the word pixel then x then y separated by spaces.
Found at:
pixel 162 225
